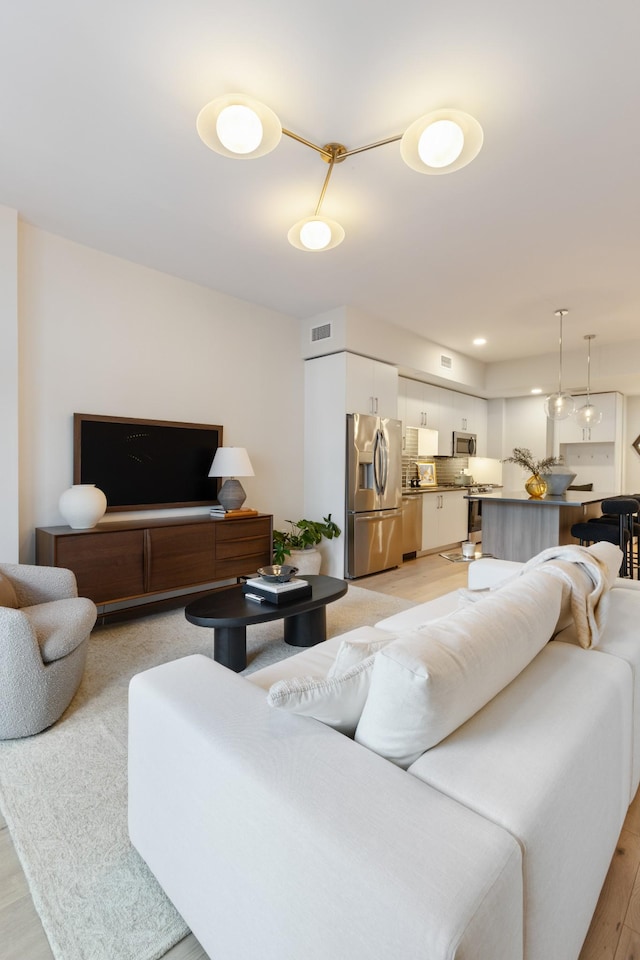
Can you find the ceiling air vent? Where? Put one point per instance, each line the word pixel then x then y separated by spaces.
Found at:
pixel 445 361
pixel 321 333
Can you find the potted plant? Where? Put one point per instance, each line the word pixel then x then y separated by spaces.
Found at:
pixel 536 485
pixel 302 537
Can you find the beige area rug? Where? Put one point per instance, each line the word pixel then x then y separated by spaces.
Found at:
pixel 63 793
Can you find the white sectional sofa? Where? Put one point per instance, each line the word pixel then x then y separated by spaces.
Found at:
pixel 277 836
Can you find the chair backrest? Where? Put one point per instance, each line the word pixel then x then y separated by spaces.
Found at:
pixel 621 506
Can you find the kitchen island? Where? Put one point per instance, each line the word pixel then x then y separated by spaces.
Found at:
pixel 516 526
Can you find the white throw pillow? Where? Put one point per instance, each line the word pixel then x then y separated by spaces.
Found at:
pixel 338 701
pixel 352 652
pixel 429 682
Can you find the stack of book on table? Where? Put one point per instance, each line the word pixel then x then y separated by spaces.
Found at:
pixel 278 593
pixel 219 511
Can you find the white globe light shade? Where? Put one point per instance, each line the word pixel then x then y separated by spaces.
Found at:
pixel 315 234
pixel 588 416
pixel 238 126
pixel 559 406
pixel 441 142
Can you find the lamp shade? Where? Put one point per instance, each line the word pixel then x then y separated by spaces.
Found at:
pixel 238 126
pixel 316 233
pixel 441 142
pixel 231 462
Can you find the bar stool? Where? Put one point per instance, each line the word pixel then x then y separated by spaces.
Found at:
pixel 622 513
pixel 615 526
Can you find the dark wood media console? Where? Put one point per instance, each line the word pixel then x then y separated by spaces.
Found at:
pixel 130 559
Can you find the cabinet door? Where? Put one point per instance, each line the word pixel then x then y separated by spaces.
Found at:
pixel 181 555
pixel 568 431
pixel 453 519
pixel 430 520
pixel 108 566
pixel 385 389
pixel 372 387
pixel 431 404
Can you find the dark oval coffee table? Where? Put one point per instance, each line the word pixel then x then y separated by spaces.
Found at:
pixel 229 612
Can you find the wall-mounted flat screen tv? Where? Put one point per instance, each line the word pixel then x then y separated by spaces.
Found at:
pixel 145 464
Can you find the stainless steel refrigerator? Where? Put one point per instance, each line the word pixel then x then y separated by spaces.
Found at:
pixel 374 494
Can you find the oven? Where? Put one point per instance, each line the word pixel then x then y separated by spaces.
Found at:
pixel 475 521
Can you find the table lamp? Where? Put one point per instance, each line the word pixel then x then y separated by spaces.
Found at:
pixel 231 462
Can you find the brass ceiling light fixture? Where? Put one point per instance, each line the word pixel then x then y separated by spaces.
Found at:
pixel 559 406
pixel 243 128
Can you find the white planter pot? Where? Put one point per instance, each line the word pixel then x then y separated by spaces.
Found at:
pixel 82 505
pixel 307 561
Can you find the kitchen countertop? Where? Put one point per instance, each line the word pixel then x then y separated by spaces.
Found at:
pixel 572 498
pixel 439 488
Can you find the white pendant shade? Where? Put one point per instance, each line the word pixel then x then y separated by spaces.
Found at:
pixel 441 142
pixel 588 416
pixel 239 126
pixel 314 234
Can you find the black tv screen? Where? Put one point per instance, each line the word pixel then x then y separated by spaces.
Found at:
pixel 144 464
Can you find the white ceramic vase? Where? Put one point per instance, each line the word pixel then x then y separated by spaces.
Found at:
pixel 307 561
pixel 82 505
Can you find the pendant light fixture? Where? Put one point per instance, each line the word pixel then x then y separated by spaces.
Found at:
pixel 588 416
pixel 559 406
pixel 239 126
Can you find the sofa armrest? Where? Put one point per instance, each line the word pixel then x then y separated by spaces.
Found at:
pixel 35 584
pixel 335 852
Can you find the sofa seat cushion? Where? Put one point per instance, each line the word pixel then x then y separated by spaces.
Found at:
pixel 548 760
pixel 431 680
pixel 60 626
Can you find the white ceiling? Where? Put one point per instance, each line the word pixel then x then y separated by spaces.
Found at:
pixel 98 143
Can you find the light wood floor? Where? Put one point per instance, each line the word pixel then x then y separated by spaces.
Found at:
pixel 614 932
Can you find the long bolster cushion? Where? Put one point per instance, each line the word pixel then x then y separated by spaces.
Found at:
pixel 334 852
pixel 427 683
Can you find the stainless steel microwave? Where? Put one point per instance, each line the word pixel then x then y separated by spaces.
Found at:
pixel 464 444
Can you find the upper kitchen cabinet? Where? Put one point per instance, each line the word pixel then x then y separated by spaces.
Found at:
pixel 609 430
pixel 372 387
pixel 460 413
pixel 418 403
pixel 425 405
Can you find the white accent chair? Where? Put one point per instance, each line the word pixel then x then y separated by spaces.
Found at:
pixel 44 632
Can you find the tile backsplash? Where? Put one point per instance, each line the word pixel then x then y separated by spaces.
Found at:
pixel 447 468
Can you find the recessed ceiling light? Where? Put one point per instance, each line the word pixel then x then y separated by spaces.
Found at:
pixel 479 342
pixel 536 390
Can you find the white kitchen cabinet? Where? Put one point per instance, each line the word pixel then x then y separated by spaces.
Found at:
pixel 417 403
pixel 372 387
pixel 607 431
pixel 444 519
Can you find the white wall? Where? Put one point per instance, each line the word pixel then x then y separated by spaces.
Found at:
pixel 102 335
pixel 9 409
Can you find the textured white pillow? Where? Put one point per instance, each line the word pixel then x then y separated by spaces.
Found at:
pixel 427 683
pixel 352 652
pixel 338 701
